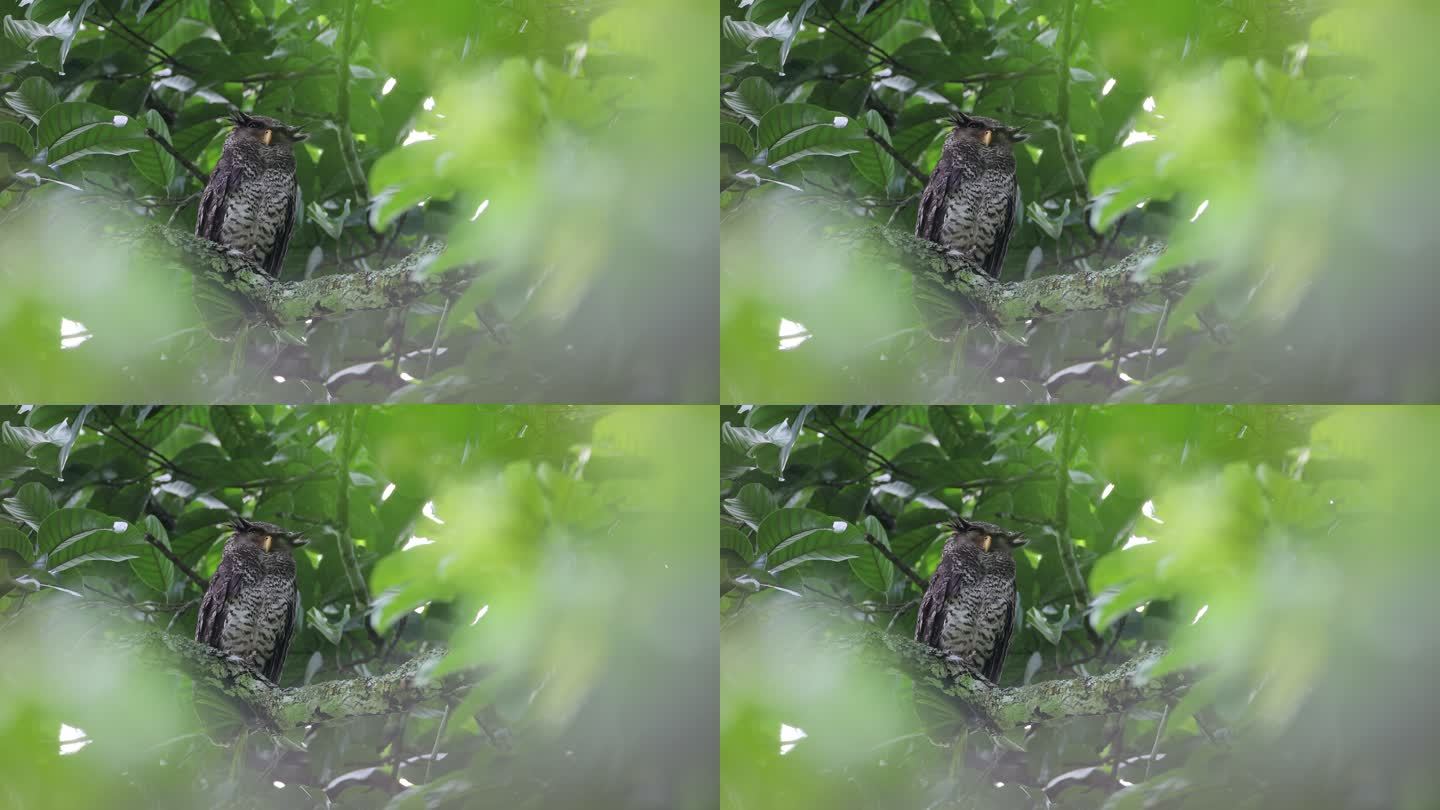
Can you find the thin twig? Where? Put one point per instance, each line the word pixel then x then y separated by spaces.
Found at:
pixel 184 161
pixel 1069 563
pixel 434 749
pixel 342 109
pixel 1070 157
pixel 899 158
pixel 1160 729
pixel 896 561
pixel 346 543
pixel 185 569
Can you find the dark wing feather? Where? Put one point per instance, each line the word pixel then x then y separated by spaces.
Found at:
pixel 930 622
pixel 225 585
pixel 275 665
pixel 930 219
pixel 995 261
pixel 224 181
pixel 275 259
pixel 995 664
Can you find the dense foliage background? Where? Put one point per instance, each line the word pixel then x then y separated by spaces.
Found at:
pixel 558 547
pixel 1279 147
pixel 1283 555
pixel 540 140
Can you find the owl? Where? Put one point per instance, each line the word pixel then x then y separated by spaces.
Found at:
pixel 971 204
pixel 968 611
pixel 251 609
pixel 248 205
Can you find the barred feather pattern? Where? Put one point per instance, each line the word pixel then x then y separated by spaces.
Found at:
pixel 249 610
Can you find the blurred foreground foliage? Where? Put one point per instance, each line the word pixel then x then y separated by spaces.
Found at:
pixel 534 139
pixel 1279 147
pixel 1282 555
pixel 551 547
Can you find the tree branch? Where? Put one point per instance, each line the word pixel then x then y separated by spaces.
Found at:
pixel 972 297
pixel 897 562
pixel 342 108
pixel 283 302
pixel 179 563
pixel 1114 692
pixel 358 589
pixel 181 159
pixel 899 158
pixel 1071 157
pixel 278 709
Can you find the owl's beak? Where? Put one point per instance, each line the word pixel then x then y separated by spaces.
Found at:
pixel 265 138
pixel 984 137
pixel 265 544
pixel 985 543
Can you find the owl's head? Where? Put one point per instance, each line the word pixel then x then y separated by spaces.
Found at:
pixel 985 131
pixel 264 131
pixel 985 536
pixel 266 536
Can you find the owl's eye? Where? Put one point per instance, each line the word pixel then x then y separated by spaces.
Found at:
pixel 975 125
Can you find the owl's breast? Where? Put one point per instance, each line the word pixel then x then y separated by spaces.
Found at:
pixel 256 210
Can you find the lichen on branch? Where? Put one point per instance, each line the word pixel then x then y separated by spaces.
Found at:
pixel 983 301
pixel 1010 707
pixel 279 709
pixel 279 303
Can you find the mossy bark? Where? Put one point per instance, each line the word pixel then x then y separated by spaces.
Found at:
pixel 980 300
pixel 1011 707
pixel 279 303
pixel 279 709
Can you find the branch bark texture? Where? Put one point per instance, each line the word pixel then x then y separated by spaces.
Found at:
pixel 284 302
pixel 1113 692
pixel 278 709
pixel 984 301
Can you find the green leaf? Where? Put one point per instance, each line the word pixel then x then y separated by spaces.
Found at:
pixel 796 23
pixel 954 23
pixel 17 541
pixel 872 161
pixel 152 567
pixel 63 532
pixel 233 21
pixel 751 505
pixel 730 132
pixel 152 160
pixel 871 567
pixel 786 525
pixel 790 129
pixel 752 99
pixel 31 505
pixel 789 537
pixel 72 126
pixel 737 541
pixel 12 133
pixel 74 433
pixel 68 38
pixel 794 434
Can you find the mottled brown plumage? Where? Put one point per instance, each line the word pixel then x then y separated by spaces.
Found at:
pixel 969 607
pixel 971 203
pixel 250 201
pixel 251 609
